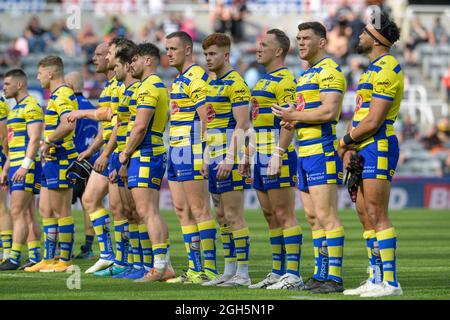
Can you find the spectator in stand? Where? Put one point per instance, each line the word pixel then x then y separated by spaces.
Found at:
pixel 446 82
pixel 432 142
pixel 419 34
pixel 238 12
pixel 11 57
pixel 221 17
pixel 35 33
pixel 151 33
pixel 60 38
pixel 408 131
pixel 338 39
pixel 170 24
pixel 116 30
pixel 188 26
pixel 88 40
pixel 356 25
pixel 438 35
pixel 443 129
pixel 354 74
pixel 92 85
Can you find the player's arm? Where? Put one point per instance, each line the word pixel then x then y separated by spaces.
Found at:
pixel 100 114
pixel 198 90
pixel 4 136
pixel 34 131
pixel 102 161
pixel 275 161
pixel 143 117
pixel 94 147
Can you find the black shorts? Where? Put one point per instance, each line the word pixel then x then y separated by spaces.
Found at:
pixel 78 190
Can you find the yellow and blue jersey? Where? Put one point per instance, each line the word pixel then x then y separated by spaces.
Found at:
pixel 152 94
pixel 128 101
pixel 223 95
pixel 188 93
pixel 62 101
pixel 276 87
pixel 25 112
pixel 383 79
pixel 105 101
pixel 324 76
pixel 4 110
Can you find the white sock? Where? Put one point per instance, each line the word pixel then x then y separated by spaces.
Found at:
pixel 230 268
pixel 242 270
pixel 160 264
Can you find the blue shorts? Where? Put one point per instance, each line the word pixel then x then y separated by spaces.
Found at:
pixel 32 181
pixel 380 159
pixel 114 164
pixel 2 160
pixel 319 169
pixel 287 178
pixel 234 181
pixel 54 174
pixel 185 163
pixel 146 171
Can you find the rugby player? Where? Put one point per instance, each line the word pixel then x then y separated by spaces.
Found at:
pixel 146 159
pixel 5 216
pixel 86 131
pixel 319 95
pixel 23 168
pixel 227 105
pixel 58 151
pixel 188 187
pixel 276 195
pixel 372 136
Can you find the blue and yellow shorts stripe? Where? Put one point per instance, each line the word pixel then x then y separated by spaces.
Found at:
pixel 147 171
pixel 380 159
pixel 185 163
pixel 32 181
pixel 325 168
pixel 54 174
pixel 234 181
pixel 288 174
pixel 114 164
pixel 2 160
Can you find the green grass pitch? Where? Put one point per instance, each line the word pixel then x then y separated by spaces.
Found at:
pixel 423 264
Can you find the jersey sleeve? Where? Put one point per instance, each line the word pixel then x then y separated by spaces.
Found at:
pixel 331 80
pixel 239 94
pixel 197 92
pixel 385 85
pixel 33 113
pixel 285 91
pixel 4 109
pixel 65 104
pixel 147 97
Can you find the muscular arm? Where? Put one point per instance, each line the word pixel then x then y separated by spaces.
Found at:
pixel 143 117
pixel 242 125
pixel 4 136
pixel 34 131
pixel 63 130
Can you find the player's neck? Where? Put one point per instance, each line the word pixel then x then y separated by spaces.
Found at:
pixel 110 74
pixel 20 96
pixel 377 52
pixel 55 84
pixel 148 72
pixel 319 56
pixel 186 65
pixel 223 71
pixel 129 80
pixel 274 65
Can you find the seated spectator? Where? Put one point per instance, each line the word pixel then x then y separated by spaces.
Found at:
pixel 188 26
pixel 221 17
pixel 446 82
pixel 60 37
pixel 354 74
pixel 438 35
pixel 419 34
pixel 338 40
pixel 409 130
pixel 170 24
pixel 151 33
pixel 34 33
pixel 432 142
pixel 116 30
pixel 88 40
pixel 238 12
pixel 11 57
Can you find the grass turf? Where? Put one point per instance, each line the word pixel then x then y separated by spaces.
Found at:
pixel 423 264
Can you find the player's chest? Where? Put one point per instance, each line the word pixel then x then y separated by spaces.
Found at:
pixel 264 92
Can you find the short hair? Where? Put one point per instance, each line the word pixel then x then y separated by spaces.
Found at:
pixel 282 39
pixel 52 61
pixel 121 43
pixel 148 49
pixel 16 73
pixel 315 26
pixel 219 39
pixel 183 36
pixel 126 54
pixel 388 28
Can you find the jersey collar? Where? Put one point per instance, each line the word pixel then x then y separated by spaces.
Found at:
pixel 63 85
pixel 21 100
pixel 383 55
pixel 277 70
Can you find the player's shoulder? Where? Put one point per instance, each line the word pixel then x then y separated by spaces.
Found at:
pixel 234 78
pixel 31 101
pixel 195 72
pixel 329 65
pixel 64 93
pixel 387 63
pixel 2 100
pixel 153 81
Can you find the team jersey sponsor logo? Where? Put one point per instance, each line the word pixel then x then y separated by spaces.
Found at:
pixel 195 244
pixel 156 181
pixel 255 108
pixel 301 103
pixel 10 133
pixel 294 179
pixel 359 102
pixel 210 112
pixel 174 108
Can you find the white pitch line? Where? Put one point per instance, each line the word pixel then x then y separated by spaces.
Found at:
pixel 14 275
pixel 310 298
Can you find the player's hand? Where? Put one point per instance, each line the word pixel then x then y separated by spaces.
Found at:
pixel 113 176
pixel 204 170
pixel 224 169
pixel 19 175
pixel 123 173
pixel 342 148
pixel 285 114
pixel 74 115
pixel 84 155
pixel 123 158
pixel 274 167
pixel 45 149
pixel 4 179
pixel 346 158
pixel 101 163
pixel 244 170
pixel 288 125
